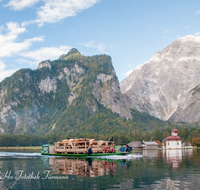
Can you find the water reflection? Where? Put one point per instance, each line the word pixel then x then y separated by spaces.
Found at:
pixel 174 157
pixel 151 153
pixel 126 184
pixel 187 152
pixel 166 184
pixel 83 167
pixel 157 169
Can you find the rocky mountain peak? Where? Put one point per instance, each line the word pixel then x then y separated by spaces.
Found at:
pixel 156 87
pixel 189 38
pixel 71 51
pixel 46 63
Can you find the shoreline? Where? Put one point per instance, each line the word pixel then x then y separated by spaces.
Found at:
pixel 23 147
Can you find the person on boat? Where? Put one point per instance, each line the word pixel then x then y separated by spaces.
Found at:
pixel 122 148
pixel 128 149
pixel 110 141
pixel 106 150
pixel 90 151
pixel 113 150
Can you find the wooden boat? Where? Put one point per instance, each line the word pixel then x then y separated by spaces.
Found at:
pixel 79 148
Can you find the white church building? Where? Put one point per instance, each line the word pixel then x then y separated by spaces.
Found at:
pixel 173 141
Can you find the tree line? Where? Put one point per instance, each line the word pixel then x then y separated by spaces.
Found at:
pixel 120 137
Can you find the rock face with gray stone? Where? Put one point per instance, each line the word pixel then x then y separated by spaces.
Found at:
pixel 188 110
pixel 107 92
pixel 37 101
pixel 161 85
pixel 45 64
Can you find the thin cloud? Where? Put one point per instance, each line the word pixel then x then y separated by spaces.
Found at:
pixel 128 72
pixel 186 27
pixel 19 5
pixel 5 72
pixel 197 12
pixel 55 10
pixel 165 38
pixel 166 31
pixel 89 44
pixel 101 47
pixel 197 34
pixel 26 61
pixel 8 42
pixel 45 53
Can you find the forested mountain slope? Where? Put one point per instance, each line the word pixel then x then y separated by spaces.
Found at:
pixel 60 94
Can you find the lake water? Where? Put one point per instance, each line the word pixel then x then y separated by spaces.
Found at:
pixel 152 169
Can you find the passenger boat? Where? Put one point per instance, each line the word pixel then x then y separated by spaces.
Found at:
pixel 79 148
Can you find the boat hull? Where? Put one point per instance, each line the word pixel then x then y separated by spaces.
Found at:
pixel 86 155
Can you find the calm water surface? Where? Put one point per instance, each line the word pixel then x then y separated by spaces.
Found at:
pixel 153 169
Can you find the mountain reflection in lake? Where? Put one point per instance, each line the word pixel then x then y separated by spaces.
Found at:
pixel 157 169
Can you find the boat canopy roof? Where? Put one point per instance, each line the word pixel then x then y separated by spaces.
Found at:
pixel 47 145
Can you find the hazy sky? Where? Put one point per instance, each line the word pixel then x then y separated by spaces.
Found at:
pixel 129 31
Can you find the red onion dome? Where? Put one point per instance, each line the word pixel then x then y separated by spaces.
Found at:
pixel 174 130
pixel 173 138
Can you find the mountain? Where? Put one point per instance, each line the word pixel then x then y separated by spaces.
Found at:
pixel 76 95
pixel 166 86
pixel 62 95
pixel 188 110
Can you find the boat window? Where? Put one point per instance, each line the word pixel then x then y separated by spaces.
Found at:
pixel 45 148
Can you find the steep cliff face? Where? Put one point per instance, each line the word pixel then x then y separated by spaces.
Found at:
pixel 59 94
pixel 107 92
pixel 188 110
pixel 158 86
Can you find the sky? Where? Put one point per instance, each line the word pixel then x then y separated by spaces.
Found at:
pixel 130 31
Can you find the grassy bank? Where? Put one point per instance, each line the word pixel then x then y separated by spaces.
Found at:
pixel 24 147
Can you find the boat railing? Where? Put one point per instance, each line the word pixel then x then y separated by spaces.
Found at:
pixel 81 146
